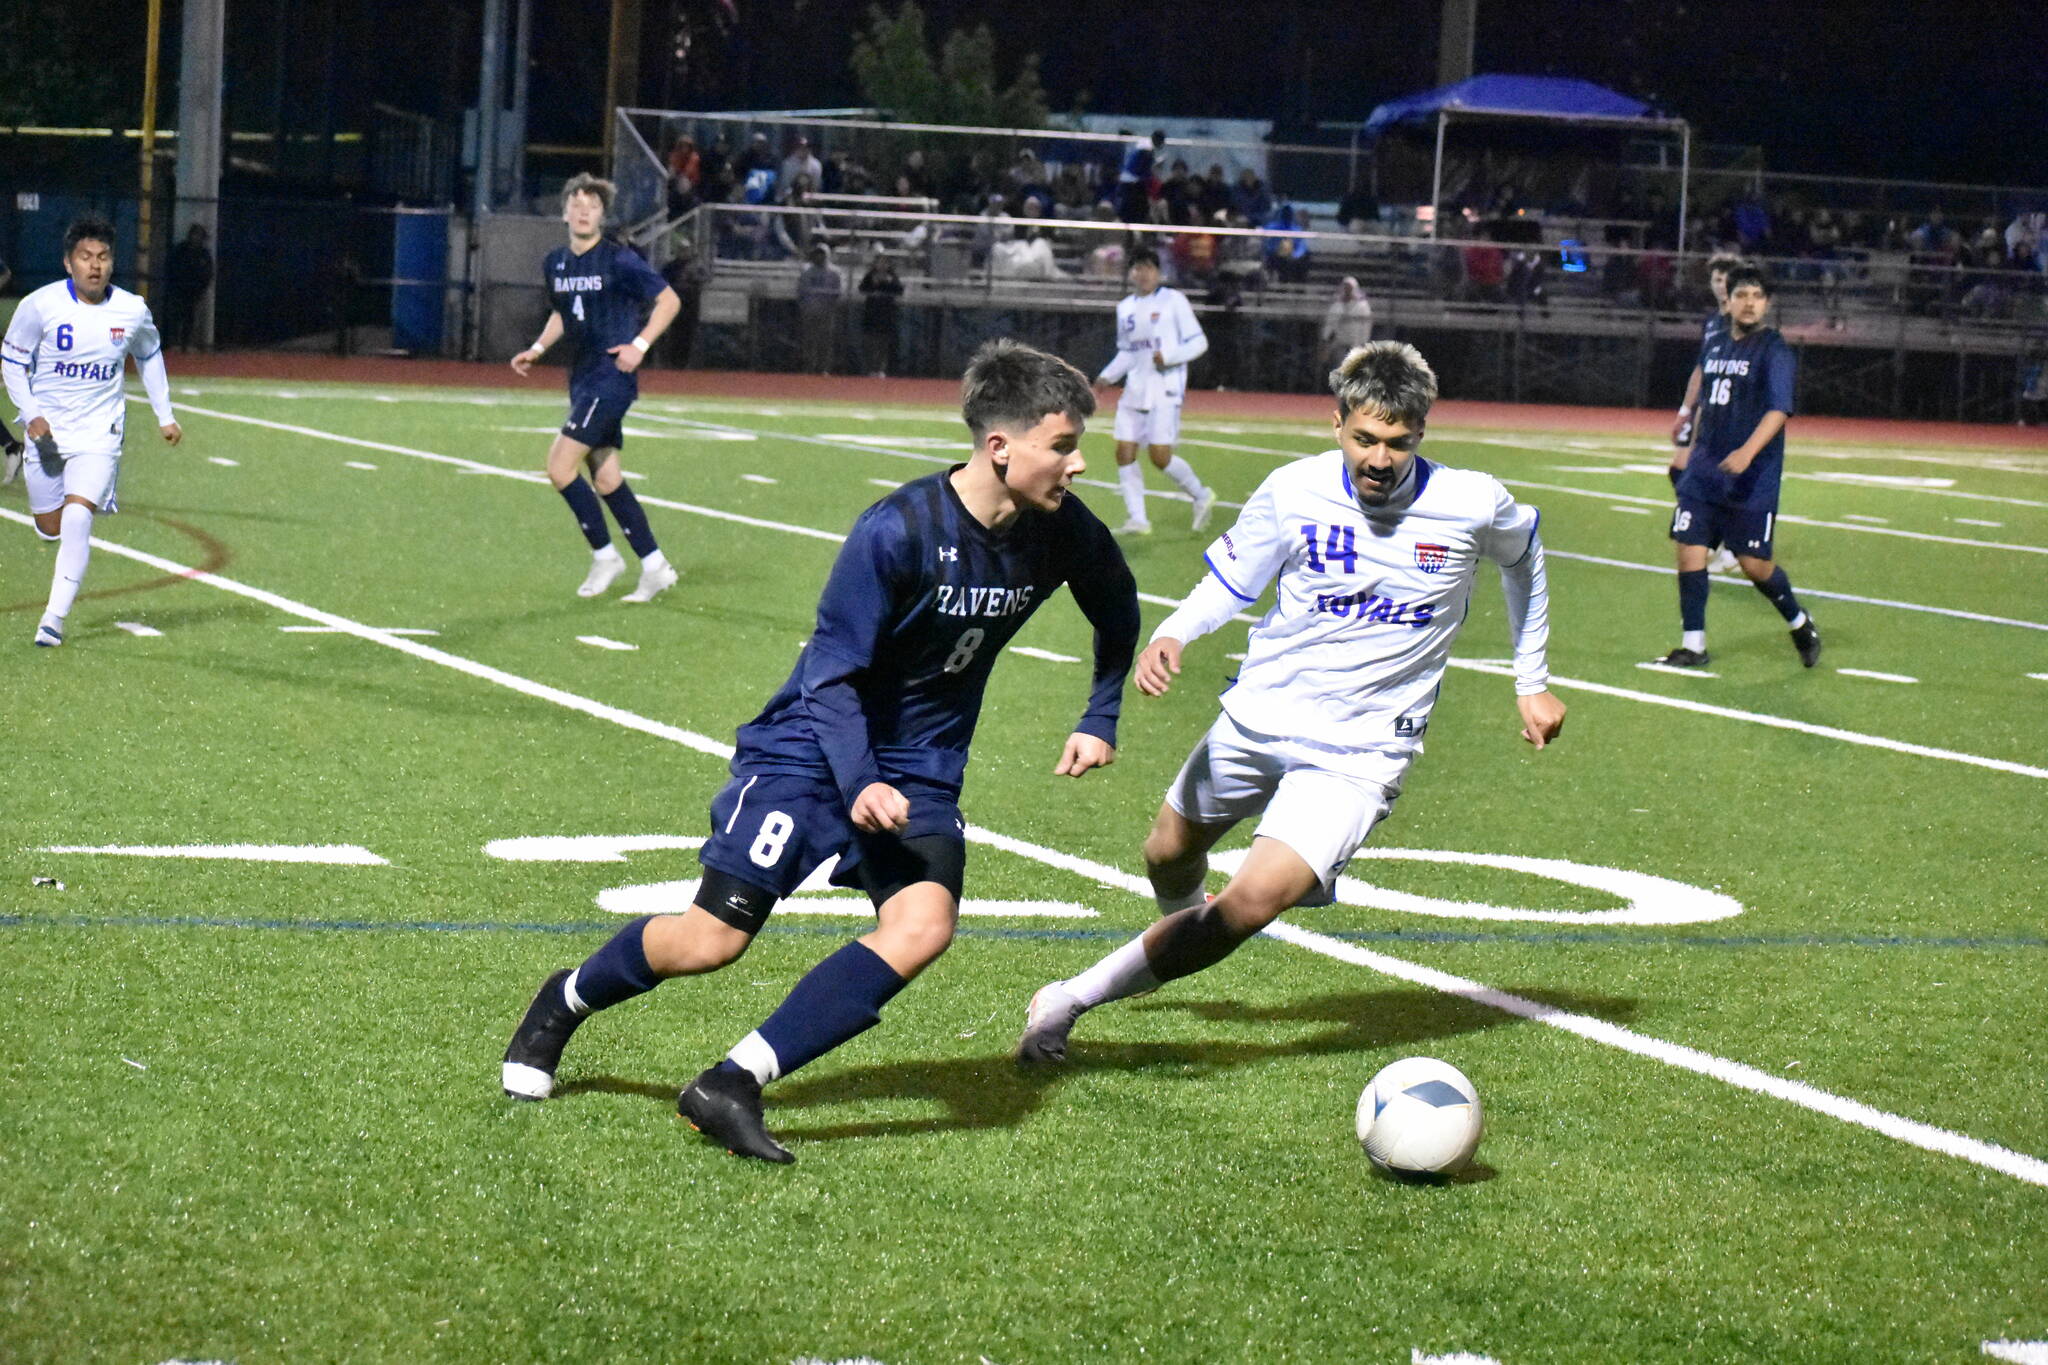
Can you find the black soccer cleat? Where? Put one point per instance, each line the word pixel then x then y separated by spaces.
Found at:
pixel 1684 658
pixel 536 1048
pixel 1806 639
pixel 725 1106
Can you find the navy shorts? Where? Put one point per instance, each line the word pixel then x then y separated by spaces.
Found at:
pixel 1744 530
pixel 597 420
pixel 772 830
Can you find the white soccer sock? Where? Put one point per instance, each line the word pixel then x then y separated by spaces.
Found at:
pixel 753 1053
pixel 1797 623
pixel 1694 640
pixel 74 548
pixel 1130 481
pixel 657 560
pixel 1183 474
pixel 1124 972
pixel 607 553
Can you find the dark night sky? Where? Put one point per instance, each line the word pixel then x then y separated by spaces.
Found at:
pixel 1910 89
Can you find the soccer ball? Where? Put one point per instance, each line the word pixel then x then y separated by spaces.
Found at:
pixel 1420 1116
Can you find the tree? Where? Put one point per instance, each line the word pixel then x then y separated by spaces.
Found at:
pixel 896 71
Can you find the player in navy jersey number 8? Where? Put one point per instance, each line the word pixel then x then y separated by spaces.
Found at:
pixel 600 294
pixel 862 752
pixel 1728 484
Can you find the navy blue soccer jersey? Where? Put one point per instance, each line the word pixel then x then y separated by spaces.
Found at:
pixel 603 297
pixel 921 601
pixel 1740 381
pixel 1715 324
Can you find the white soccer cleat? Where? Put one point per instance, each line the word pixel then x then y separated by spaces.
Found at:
pixel 10 464
pixel 1135 528
pixel 1723 561
pixel 1205 503
pixel 604 571
pixel 49 636
pixel 654 580
pixel 1047 1022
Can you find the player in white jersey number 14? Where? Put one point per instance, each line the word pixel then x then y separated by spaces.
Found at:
pixel 1375 550
pixel 63 357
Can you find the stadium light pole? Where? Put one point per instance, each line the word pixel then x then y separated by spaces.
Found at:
pixel 149 65
pixel 199 140
pixel 490 88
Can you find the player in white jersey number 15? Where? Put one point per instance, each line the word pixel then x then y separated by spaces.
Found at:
pixel 1375 550
pixel 63 357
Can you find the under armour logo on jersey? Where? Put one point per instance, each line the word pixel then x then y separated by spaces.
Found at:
pixel 948 553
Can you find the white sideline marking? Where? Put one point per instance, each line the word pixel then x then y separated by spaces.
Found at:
pixel 1805 591
pixel 1976 521
pixel 2021 1167
pixel 2019 1352
pixel 336 630
pixel 2039 677
pixel 1776 722
pixel 1872 673
pixel 886 483
pixel 358 464
pixel 759 478
pixel 222 459
pixel 1416 1357
pixel 1654 667
pixel 910 442
pixel 600 642
pixel 1632 511
pixel 337 855
pixel 137 628
pixel 1031 653
pixel 1655 506
pixel 139 1066
pixel 1874 521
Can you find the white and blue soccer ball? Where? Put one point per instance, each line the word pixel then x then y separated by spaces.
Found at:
pixel 1420 1116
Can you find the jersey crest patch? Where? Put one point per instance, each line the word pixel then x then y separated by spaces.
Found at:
pixel 115 334
pixel 1431 558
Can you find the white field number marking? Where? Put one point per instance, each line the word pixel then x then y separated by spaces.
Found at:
pixel 2019 1352
pixel 1651 899
pixel 338 855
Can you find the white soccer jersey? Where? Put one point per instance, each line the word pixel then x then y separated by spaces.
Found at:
pixel 1352 652
pixel 1161 321
pixel 63 359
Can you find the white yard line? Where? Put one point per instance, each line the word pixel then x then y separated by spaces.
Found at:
pixel 1960 1146
pixel 1030 652
pixel 1872 673
pixel 137 628
pixel 335 855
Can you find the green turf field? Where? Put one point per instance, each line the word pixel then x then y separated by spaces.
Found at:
pixel 251 1109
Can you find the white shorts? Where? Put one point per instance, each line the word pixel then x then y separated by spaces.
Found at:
pixel 1320 802
pixel 1158 425
pixel 90 476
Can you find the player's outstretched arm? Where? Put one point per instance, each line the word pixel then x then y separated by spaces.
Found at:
pixel 628 355
pixel 1082 752
pixel 1542 717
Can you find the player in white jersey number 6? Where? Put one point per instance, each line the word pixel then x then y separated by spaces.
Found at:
pixel 1375 550
pixel 66 347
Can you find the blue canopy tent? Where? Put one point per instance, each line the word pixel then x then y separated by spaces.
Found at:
pixel 1553 99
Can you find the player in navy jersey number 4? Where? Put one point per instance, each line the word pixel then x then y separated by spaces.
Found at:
pixel 1728 481
pixel 861 753
pixel 1375 549
pixel 612 306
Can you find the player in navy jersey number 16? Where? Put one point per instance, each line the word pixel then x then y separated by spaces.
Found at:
pixel 613 307
pixel 1728 484
pixel 861 755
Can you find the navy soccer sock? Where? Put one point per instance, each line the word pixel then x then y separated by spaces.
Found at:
pixel 840 998
pixel 626 511
pixel 1778 588
pixel 1692 600
pixel 582 500
pixel 618 971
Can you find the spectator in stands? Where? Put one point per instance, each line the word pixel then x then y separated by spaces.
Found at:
pixel 1135 177
pixel 2033 386
pixel 1212 193
pixel 914 171
pixel 1824 244
pixel 1751 220
pixel 1070 198
pixel 796 233
pixel 800 161
pixel 818 291
pixel 1027 180
pixel 1105 260
pixel 2023 241
pixel 714 164
pixel 757 157
pixel 1241 258
pixel 1250 199
pixel 1358 211
pixel 187 274
pixel 686 275
pixel 685 169
pixel 1194 256
pixel 881 296
pixel 995 225
pixel 1934 237
pixel 1288 257
pixel 1029 259
pixel 1177 193
pixel 1347 322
